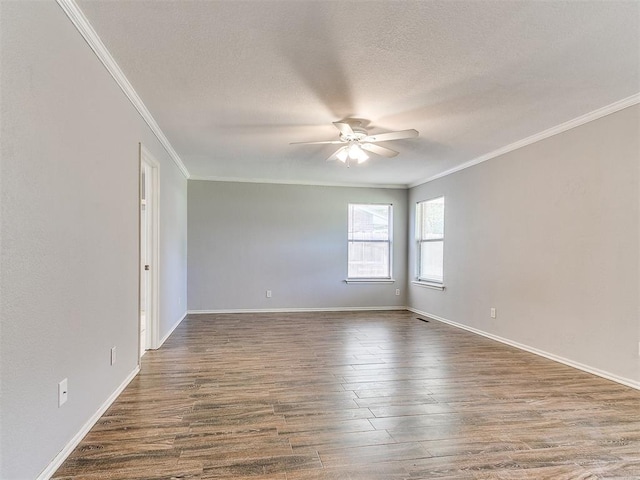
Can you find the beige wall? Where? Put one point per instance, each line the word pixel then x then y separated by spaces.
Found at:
pixel 69 248
pixel 548 235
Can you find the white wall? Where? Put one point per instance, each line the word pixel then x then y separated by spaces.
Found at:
pixel 246 238
pixel 549 235
pixel 69 226
pixel 173 247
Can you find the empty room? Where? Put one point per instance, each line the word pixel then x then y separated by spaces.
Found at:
pixel 338 240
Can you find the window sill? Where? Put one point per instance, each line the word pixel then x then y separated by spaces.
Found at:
pixel 434 286
pixel 369 280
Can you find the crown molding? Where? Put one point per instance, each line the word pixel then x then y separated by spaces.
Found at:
pixel 83 26
pixel 297 182
pixel 563 127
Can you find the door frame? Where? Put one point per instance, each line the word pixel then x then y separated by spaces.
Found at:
pixel 153 236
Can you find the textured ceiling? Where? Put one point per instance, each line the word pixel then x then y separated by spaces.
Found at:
pixel 231 83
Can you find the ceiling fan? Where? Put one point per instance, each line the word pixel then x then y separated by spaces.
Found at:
pixel 356 140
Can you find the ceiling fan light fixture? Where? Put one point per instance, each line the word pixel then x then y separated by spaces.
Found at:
pixel 356 153
pixel 343 154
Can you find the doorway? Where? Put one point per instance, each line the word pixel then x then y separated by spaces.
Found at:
pixel 149 264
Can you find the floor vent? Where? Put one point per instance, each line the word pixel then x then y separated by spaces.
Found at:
pixel 422 319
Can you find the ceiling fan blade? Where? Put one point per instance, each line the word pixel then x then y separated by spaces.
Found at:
pixel 383 137
pixel 334 155
pixel 345 128
pixel 334 142
pixel 378 150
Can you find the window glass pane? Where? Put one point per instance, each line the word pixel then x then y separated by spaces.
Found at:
pixel 369 222
pixel 430 236
pixel 368 260
pixel 431 261
pixel 433 218
pixel 369 235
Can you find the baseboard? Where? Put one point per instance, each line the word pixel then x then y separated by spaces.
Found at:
pixel 48 472
pixel 294 310
pixel 164 339
pixel 580 366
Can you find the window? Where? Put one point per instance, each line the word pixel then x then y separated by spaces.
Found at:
pixel 430 238
pixel 369 239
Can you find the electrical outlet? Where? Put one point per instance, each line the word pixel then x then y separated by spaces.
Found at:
pixel 113 355
pixel 63 392
pixel 268 293
pixel 493 312
pixel 397 291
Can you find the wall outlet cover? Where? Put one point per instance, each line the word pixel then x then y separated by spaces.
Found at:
pixel 63 392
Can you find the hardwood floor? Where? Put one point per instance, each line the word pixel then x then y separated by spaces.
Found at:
pixel 356 396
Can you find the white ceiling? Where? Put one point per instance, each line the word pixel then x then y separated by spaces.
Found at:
pixel 231 83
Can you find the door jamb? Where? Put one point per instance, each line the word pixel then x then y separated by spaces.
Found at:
pixel 153 216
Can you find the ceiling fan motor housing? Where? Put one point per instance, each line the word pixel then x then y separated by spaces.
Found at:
pixel 359 134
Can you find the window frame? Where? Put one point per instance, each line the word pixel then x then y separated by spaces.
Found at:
pixel 419 228
pixel 388 241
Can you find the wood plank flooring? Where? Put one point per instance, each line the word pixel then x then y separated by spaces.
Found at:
pixel 356 396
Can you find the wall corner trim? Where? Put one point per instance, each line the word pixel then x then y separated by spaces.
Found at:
pixel 550 132
pixel 72 10
pixel 175 325
pixel 48 472
pixel 556 358
pixel 313 183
